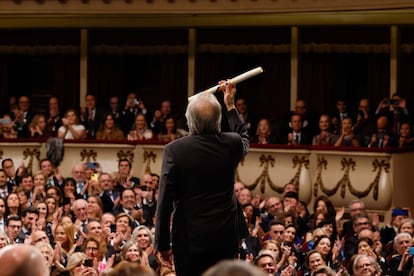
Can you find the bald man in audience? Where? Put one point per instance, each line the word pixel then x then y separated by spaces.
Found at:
pixel 22 260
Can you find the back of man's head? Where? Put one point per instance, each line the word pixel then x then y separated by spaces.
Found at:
pixel 204 114
pixel 22 260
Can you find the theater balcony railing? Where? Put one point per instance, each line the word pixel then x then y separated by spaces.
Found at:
pixel 381 178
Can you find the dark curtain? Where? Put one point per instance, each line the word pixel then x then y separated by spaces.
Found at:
pixel 40 77
pixel 325 78
pixel 153 77
pixel 267 94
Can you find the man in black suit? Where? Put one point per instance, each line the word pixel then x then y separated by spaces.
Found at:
pixel 297 134
pixel 197 179
pixel 91 117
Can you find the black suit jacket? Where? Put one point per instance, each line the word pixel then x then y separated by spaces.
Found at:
pixel 197 179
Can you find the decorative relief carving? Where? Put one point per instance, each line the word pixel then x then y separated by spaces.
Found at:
pixel 31 153
pixel 348 165
pixel 374 184
pixel 88 154
pixel 129 155
pixel 322 164
pixel 148 157
pixel 299 163
pixel 264 177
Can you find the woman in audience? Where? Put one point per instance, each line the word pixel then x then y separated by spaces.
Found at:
pixel 131 252
pixel 140 130
pixel 325 137
pixel 38 127
pixel 407 226
pixel 13 207
pixel 39 187
pixel 314 259
pixel 51 207
pixel 365 265
pixel 23 197
pixel 64 237
pixel 4 239
pixel 7 130
pixel 347 137
pixel 47 251
pixel 95 207
pixel 169 131
pixel 108 130
pixel 71 128
pixel 406 139
pixel 95 249
pixel 78 267
pixel 56 193
pixel 69 190
pixel 263 133
pixel 142 235
pixel 330 253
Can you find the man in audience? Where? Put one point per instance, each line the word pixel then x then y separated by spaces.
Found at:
pixel 54 179
pixel 13 226
pixel 297 134
pixel 133 106
pixel 383 137
pixel 13 176
pixel 274 208
pixel 54 119
pixel 277 230
pixel 91 117
pixel 109 196
pixel 78 173
pixel 80 207
pixel 157 123
pixel 125 174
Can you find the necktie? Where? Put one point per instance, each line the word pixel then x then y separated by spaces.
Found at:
pixel 297 138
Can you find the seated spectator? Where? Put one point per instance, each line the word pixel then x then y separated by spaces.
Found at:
pixel 133 106
pixel 365 265
pixel 71 128
pixel 158 120
pixel 330 252
pixel 263 133
pixel 91 116
pixel 54 120
pixel 325 137
pixel 347 137
pixel 266 263
pixel 323 270
pixel 314 259
pixel 383 137
pixel 248 118
pixel 365 122
pixel 389 231
pixel 169 132
pixel 406 139
pixel 108 130
pixel 7 130
pixel 400 261
pixel 395 109
pixel 114 109
pixel 140 130
pixel 38 127
pixel 297 134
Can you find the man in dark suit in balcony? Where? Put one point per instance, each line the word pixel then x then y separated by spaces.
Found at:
pixel 197 179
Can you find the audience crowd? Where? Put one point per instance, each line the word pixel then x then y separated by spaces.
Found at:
pixel 388 126
pixel 93 222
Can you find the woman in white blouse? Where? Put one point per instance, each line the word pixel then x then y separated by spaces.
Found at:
pixel 71 129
